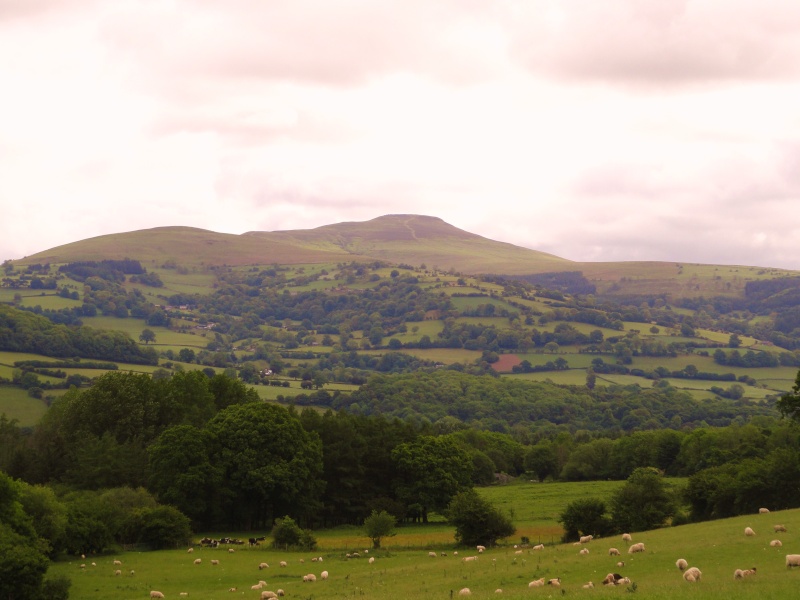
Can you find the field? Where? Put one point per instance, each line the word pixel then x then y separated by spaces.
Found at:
pixel 402 568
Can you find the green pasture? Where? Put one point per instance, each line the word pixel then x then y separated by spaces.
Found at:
pixel 134 327
pixel 568 377
pixel 403 568
pixel 271 393
pixel 575 359
pixel 464 302
pixel 50 301
pixel 16 404
pixel 446 356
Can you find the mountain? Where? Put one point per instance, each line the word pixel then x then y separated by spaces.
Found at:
pixel 405 239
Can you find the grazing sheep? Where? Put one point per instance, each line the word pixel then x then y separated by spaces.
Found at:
pixel 555 582
pixel 190 550
pixel 440 554
pixel 266 595
pixel 94 564
pixel 626 537
pixel 536 583
pixel 231 550
pixel 371 559
pixel 692 574
pixel 469 558
pixel 280 592
pixel 233 589
pixel 455 553
pixel 133 572
pixel 793 560
pixel 432 554
pixel 117 572
pixel 620 564
pixel 613 552
pixel 636 548
pixel 156 594
pixel 302 561
pixel 323 575
pixel 539 547
pixel 214 561
pixel 518 551
pixel 314 559
pixel 319 559
pixel 779 528
pixel 117 562
pixel 742 573
pixel 83 566
pixel 197 561
pixel 480 548
pixel 283 563
pixel 749 532
pixel 498 591
pixel 576 543
pixel 776 543
pixel 585 539
pixel 612 579
pixel 588 585
pixel 310 578
pixel 257 586
pixel 622 581
pixel 584 551
pixel 263 566
pixel 681 564
pixel 464 592
pixel 763 511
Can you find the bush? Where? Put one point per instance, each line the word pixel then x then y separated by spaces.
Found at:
pixel 287 534
pixel 586 516
pixel 477 521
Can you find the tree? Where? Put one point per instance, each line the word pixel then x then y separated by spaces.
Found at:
pixel 734 341
pixel 378 526
pixel 431 471
pixel 643 503
pixel 789 404
pixel 585 516
pixel 147 336
pixel 476 520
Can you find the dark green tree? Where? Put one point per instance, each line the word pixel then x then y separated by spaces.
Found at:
pixel 476 520
pixel 147 336
pixel 789 404
pixel 585 516
pixel 644 502
pixel 378 526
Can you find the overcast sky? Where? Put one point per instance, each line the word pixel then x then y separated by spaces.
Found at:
pixel 596 130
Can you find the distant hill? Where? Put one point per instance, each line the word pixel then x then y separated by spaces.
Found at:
pixel 405 239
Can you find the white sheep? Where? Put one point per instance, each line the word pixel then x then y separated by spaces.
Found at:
pixel 536 583
pixel 183 594
pixel 622 581
pixel 776 543
pixel 620 564
pixel 283 563
pixel 83 566
pixel 681 564
pixel 214 561
pixel 585 539
pixel 197 561
pixel 779 528
pixel 190 550
pixel 498 591
pixel 117 572
pixel 156 594
pixel 793 560
pixel 763 511
pixel 231 550
pixel 267 595
pixel 323 575
pixel 432 554
pixel 749 532
pixel 636 548
pixel 257 586
pixel 539 547
pixel 480 548
pixel 584 551
pixel 626 537
pixel 742 573
pixel 133 572
pixel 314 559
pixel 692 574
pixel 613 552
pixel 371 559
pixel 555 582
pixel 469 558
pixel 310 578
pixel 117 562
pixel 263 566
pixel 464 592
pixel 94 564
pixel 612 579
pixel 280 592
pixel 588 585
pixel 233 589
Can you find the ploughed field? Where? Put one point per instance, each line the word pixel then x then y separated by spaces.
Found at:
pixel 403 570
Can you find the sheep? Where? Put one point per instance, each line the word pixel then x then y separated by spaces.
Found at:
pixel 749 532
pixel 257 586
pixel 588 585
pixel 156 594
pixel 613 552
pixel 626 537
pixel 469 558
pixel 214 561
pixel 302 561
pixel 555 582
pixel 620 564
pixel 280 592
pixel 233 589
pixel 584 551
pixel 518 551
pixel 779 528
pixel 536 583
pixel 636 548
pixel 83 566
pixel 190 550
pixel 266 595
pixel 763 511
pixel 323 575
pixel 133 572
pixel 539 547
pixel 464 592
pixel 440 554
pixel 231 550
pixel 197 561
pixel 310 578
pixel 314 559
pixel 585 539
pixel 742 573
pixel 498 591
pixel 692 574
pixel 432 554
pixel 371 559
pixel 283 563
pixel 83 557
pixel 776 543
pixel 94 564
pixel 263 566
pixel 681 564
pixel 117 572
pixel 793 560
pixel 622 581
pixel 455 553
pixel 612 579
pixel 117 562
pixel 480 548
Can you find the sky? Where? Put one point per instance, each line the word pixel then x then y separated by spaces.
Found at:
pixel 595 130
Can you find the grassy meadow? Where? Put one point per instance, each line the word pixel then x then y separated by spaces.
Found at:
pixel 403 568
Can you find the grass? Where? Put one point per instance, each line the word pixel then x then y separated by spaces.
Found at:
pixel 16 404
pixel 402 568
